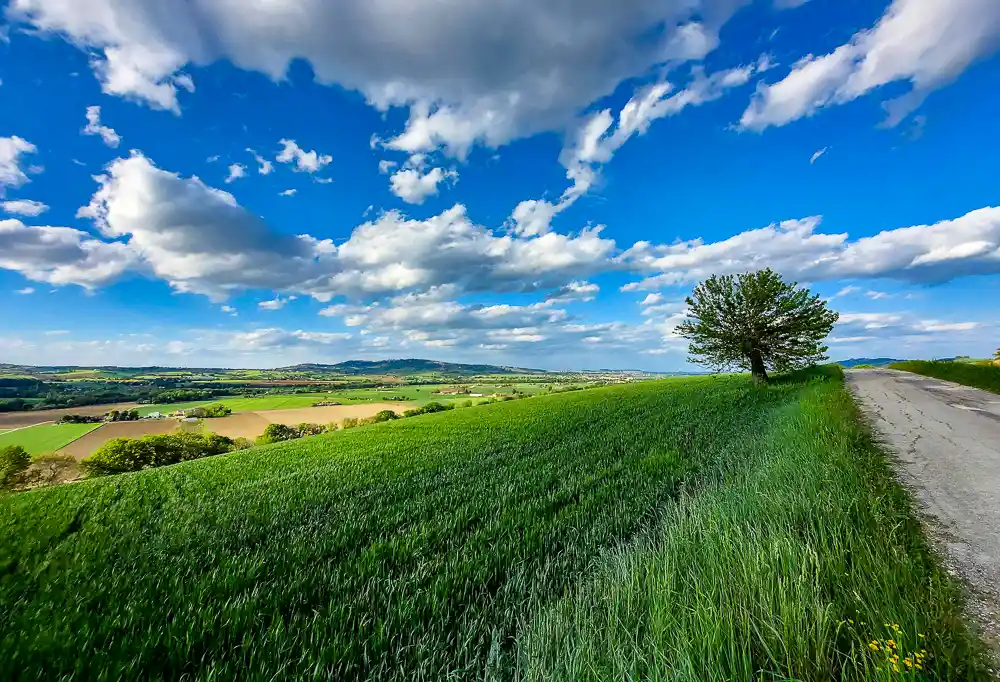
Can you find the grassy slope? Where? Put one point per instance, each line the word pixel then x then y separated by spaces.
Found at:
pixel 419 548
pixel 47 437
pixel 986 377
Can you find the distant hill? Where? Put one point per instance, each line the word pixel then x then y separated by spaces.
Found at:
pixel 875 362
pixel 406 367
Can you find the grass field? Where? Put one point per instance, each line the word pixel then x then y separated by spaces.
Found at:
pixel 691 529
pixel 986 377
pixel 46 437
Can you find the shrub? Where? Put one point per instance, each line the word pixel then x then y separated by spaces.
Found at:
pixel 276 433
pixel 78 419
pixel 13 461
pixel 467 403
pixel 242 443
pixel 349 423
pixel 120 455
pixel 307 429
pixel 210 411
pixel 384 416
pixel 332 426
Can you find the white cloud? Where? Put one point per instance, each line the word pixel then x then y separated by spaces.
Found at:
pixel 277 303
pixel 853 327
pixel 11 151
pixel 288 193
pixel 94 127
pixel 213 158
pixel 309 162
pixel 60 255
pixel 596 139
pixel 815 157
pixel 469 72
pixel 413 186
pixel 323 181
pixel 576 291
pixel 385 165
pixel 264 167
pixel 236 171
pixel 25 207
pixel 200 240
pixel 228 309
pixel 964 246
pixel 272 338
pixel 26 291
pixel 927 43
pixel 197 238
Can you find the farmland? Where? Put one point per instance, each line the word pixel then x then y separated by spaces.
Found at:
pixel 761 537
pixel 46 437
pixel 417 395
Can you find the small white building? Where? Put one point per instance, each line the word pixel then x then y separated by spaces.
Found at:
pixel 154 415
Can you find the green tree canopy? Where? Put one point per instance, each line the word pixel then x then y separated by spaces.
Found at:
pixel 756 321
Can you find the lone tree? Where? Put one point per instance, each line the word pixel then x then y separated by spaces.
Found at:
pixel 756 321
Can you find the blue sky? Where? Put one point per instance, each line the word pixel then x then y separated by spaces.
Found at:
pixel 210 182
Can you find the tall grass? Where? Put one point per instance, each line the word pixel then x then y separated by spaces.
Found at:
pixel 982 375
pixel 685 529
pixel 802 564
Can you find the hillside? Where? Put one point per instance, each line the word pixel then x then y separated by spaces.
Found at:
pixel 874 362
pixel 496 542
pixel 406 367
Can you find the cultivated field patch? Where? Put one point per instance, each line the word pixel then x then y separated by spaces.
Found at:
pixel 81 448
pixel 46 437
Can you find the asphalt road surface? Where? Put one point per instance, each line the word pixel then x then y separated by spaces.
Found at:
pixel 947 439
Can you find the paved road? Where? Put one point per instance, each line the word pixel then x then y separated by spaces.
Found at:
pixel 947 438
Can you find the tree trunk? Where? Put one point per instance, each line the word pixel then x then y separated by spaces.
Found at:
pixel 757 368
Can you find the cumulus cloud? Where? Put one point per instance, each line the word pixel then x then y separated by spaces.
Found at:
pixel 61 255
pixel 926 43
pixel 11 151
pixel 264 167
pixel 277 303
pixel 964 246
pixel 413 185
pixel 25 207
pixel 94 127
pixel 303 161
pixel 236 171
pixel 273 338
pixel 200 240
pixel 576 291
pixel 26 291
pixel 197 238
pixel 287 193
pixel 854 327
pixel 468 72
pixel 815 157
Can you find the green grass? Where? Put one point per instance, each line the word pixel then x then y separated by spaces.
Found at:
pixel 986 377
pixel 45 437
pixel 704 528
